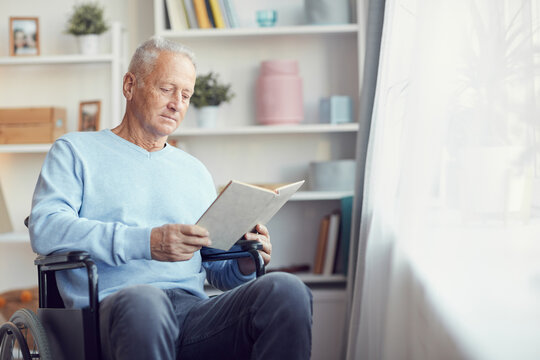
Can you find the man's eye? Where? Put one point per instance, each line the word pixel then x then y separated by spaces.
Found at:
pixel 165 90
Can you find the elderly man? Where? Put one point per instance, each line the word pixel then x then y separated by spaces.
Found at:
pixel 130 200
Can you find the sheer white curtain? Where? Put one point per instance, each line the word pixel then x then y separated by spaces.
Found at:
pixel 451 203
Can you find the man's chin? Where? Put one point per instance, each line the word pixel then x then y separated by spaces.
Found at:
pixel 168 126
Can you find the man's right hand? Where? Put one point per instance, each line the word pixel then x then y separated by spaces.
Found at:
pixel 177 242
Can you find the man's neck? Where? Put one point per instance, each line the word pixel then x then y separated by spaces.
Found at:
pixel 138 137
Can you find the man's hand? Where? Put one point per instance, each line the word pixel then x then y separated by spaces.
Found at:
pixel 177 242
pixel 261 234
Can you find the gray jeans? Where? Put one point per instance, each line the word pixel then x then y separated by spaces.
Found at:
pixel 268 318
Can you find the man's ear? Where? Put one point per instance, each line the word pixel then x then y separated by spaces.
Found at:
pixel 128 86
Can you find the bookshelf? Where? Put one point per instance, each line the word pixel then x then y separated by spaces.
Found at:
pixel 280 153
pixel 239 148
pixel 27 81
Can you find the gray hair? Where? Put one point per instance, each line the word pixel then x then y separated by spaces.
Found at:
pixel 145 56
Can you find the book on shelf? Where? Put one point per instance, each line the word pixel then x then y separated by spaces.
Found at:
pixel 240 207
pixel 210 14
pixel 342 259
pixel 166 20
pixel 318 265
pixel 190 14
pixel 177 15
pixel 230 10
pixel 217 14
pixel 331 243
pixel 201 13
pixel 5 222
pixel 226 20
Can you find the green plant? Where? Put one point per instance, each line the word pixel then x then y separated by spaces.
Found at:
pixel 209 91
pixel 87 18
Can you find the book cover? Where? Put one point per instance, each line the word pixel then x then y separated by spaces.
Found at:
pixel 239 207
pixel 202 15
pixel 167 22
pixel 210 14
pixel 216 13
pixel 342 261
pixel 331 243
pixel 224 14
pixel 321 245
pixel 190 12
pixel 231 13
pixel 177 15
pixel 5 222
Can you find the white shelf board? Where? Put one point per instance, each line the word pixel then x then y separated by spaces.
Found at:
pixel 322 279
pixel 320 195
pixel 25 148
pixel 14 237
pixel 56 59
pixel 277 30
pixel 268 130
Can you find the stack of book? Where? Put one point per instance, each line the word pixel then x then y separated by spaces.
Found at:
pixel 200 14
pixel 332 252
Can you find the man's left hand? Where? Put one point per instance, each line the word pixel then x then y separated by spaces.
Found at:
pixel 261 234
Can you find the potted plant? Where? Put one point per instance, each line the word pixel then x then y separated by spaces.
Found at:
pixel 87 23
pixel 208 95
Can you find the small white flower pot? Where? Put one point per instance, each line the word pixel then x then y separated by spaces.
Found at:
pixel 207 116
pixel 88 44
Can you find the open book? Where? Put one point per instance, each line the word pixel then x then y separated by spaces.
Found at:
pixel 239 207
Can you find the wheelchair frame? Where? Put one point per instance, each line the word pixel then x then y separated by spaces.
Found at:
pixel 80 325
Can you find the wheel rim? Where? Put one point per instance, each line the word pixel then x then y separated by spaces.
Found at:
pixel 34 335
pixel 13 344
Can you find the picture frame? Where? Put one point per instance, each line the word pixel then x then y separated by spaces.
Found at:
pixel 23 36
pixel 89 115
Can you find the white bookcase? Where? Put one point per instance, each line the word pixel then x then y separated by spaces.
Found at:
pixel 49 80
pixel 238 148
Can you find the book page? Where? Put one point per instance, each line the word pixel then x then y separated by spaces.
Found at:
pixel 238 208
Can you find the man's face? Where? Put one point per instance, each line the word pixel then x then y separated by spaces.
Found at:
pixel 161 103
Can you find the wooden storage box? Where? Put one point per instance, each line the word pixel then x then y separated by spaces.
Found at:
pixel 31 125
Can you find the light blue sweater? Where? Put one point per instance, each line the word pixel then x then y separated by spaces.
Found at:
pixel 100 193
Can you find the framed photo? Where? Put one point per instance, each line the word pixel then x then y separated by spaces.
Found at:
pixel 89 112
pixel 23 36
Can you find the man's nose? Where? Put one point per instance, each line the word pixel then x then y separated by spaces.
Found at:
pixel 174 101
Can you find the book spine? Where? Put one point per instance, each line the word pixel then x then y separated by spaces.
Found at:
pixel 321 246
pixel 331 244
pixel 166 15
pixel 231 13
pixel 209 12
pixel 217 14
pixel 190 11
pixel 184 14
pixel 342 256
pixel 177 15
pixel 225 14
pixel 202 14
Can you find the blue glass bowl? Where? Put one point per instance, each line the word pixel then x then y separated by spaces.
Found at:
pixel 266 18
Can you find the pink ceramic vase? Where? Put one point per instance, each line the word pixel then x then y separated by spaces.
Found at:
pixel 279 97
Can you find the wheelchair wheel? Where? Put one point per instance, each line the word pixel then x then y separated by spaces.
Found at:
pixel 23 338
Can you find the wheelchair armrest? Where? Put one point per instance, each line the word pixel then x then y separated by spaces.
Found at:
pixel 248 248
pixel 49 264
pixel 65 258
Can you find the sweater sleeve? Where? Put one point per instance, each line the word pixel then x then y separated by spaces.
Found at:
pixel 226 275
pixel 55 224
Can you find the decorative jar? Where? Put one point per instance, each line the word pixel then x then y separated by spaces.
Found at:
pixel 279 94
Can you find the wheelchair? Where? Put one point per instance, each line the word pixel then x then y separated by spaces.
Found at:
pixel 59 333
